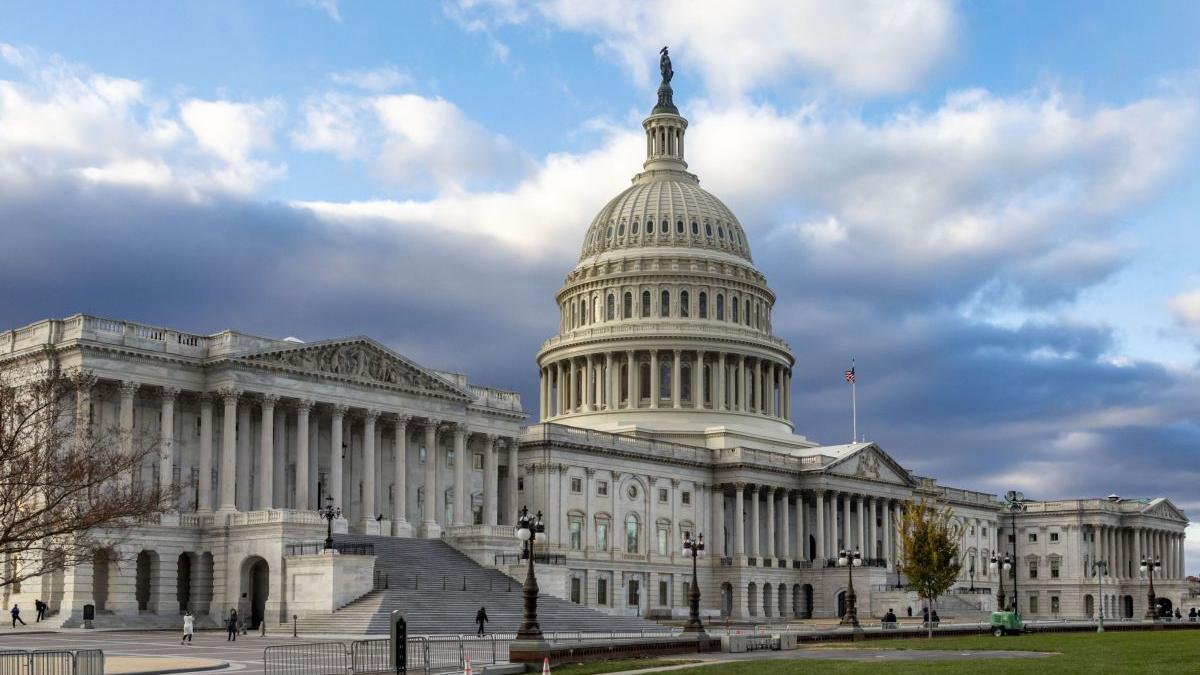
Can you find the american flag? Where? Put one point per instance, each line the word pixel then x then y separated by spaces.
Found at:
pixel 850 375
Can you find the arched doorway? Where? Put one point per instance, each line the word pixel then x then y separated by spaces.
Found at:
pixel 1128 607
pixel 767 598
pixel 807 612
pixel 1089 606
pixel 183 582
pixel 781 592
pixel 752 598
pixel 101 568
pixel 144 588
pixel 256 586
pixel 812 547
pixel 841 604
pixel 1164 606
pixel 726 599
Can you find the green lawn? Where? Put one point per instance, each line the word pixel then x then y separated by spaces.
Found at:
pixel 1158 652
pixel 614 666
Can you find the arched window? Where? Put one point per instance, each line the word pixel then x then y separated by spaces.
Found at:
pixel 666 227
pixel 632 534
pixel 664 380
pixel 747 312
pixel 683 304
pixel 611 309
pixel 664 306
pixel 708 229
pixel 625 382
pixel 695 228
pixel 610 231
pixel 627 308
pixel 621 230
pixel 679 227
pixel 633 229
pixel 720 306
pixel 720 233
pixel 703 305
pixel 645 304
pixel 644 381
pixel 583 315
pixel 685 382
pixel 734 304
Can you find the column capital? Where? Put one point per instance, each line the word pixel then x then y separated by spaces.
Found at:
pixel 589 471
pixel 677 352
pixel 205 397
pixel 401 419
pixel 269 400
pixel 304 405
pixel 769 489
pixel 370 415
pixel 227 394
pixel 128 388
pixel 740 486
pixel 339 410
pixel 753 487
pixel 168 394
pixel 674 482
pixel 82 378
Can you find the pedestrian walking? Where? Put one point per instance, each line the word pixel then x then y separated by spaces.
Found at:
pixel 232 626
pixel 481 618
pixel 189 626
pixel 16 615
pixel 40 607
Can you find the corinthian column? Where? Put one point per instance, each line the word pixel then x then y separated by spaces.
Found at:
pixel 302 449
pixel 335 455
pixel 227 493
pixel 770 552
pixel 204 480
pixel 400 525
pixel 655 378
pixel 739 517
pixel 676 373
pixel 369 507
pixel 166 448
pixel 266 453
pixel 429 527
pixel 491 476
pixel 511 515
pixel 461 499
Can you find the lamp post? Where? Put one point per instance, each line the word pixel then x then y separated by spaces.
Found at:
pixel 1014 502
pixel 971 573
pixel 693 548
pixel 1100 569
pixel 1148 567
pixel 850 560
pixel 1001 565
pixel 329 513
pixel 530 530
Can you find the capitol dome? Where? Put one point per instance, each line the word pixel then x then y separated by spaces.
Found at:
pixel 665 323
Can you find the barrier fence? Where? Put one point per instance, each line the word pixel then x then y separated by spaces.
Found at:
pixel 425 655
pixel 52 662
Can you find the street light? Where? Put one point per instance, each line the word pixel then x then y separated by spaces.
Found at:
pixel 530 530
pixel 1001 565
pixel 693 548
pixel 1014 502
pixel 1100 569
pixel 850 560
pixel 1147 568
pixel 329 513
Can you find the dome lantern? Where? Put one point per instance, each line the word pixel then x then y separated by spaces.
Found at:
pixel 665 127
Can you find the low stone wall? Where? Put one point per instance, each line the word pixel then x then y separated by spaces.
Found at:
pixel 604 650
pixel 324 582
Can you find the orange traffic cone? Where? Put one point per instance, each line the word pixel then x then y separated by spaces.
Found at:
pixel 546 666
pixel 467 666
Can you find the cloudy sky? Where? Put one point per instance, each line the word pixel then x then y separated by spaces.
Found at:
pixel 990 206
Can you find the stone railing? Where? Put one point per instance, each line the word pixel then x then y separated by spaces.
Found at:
pixel 289 516
pixel 127 334
pixel 701 328
pixel 495 398
pixel 464 531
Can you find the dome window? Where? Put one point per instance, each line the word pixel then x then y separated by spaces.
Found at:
pixel 679 227
pixel 664 306
pixel 695 228
pixel 621 230
pixel 684 305
pixel 610 231
pixel 633 229
pixel 610 308
pixel 720 306
pixel 627 309
pixel 720 233
pixel 645 304
pixel 708 230
pixel 666 227
pixel 703 305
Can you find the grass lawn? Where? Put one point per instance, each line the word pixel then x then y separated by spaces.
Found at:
pixel 1159 652
pixel 615 666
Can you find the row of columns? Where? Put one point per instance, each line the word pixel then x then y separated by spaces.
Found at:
pixel 861 521
pixel 234 460
pixel 1124 548
pixel 734 382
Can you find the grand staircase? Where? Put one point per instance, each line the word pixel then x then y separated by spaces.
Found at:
pixel 439 590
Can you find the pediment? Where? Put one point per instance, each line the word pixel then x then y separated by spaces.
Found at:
pixel 357 359
pixel 870 463
pixel 1163 508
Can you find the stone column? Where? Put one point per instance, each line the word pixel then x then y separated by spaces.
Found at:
pixel 611 387
pixel 861 529
pixel 1136 533
pixel 266 453
pixel 771 551
pixel 335 455
pixel 632 401
pixel 513 472
pixel 820 527
pixel 698 381
pixel 491 477
pixel 303 408
pixel 560 389
pixel 369 507
pixel 785 529
pixel 204 480
pixel 655 378
pixel 758 387
pixel 755 524
pixel 887 535
pixel 227 495
pixel 718 520
pixel 739 524
pixel 847 537
pixel 676 374
pixel 429 527
pixel 245 461
pixel 314 464
pixel 739 387
pixel 589 388
pixel 166 443
pixel 572 403
pixel 801 539
pixel 400 524
pixel 461 499
pixel 125 423
pixel 279 466
pixel 770 389
pixel 719 397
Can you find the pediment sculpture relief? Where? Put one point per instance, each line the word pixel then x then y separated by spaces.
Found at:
pixel 351 360
pixel 868 465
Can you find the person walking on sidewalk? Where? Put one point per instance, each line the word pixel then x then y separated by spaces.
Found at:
pixel 189 625
pixel 481 618
pixel 232 626
pixel 16 615
pixel 40 607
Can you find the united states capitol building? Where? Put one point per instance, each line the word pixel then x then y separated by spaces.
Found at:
pixel 665 409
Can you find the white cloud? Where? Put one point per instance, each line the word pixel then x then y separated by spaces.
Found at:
pixel 385 78
pixel 870 46
pixel 1185 307
pixel 330 7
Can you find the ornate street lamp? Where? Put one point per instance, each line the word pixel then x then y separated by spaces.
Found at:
pixel 1100 569
pixel 1002 566
pixel 693 548
pixel 329 513
pixel 1149 565
pixel 1014 502
pixel 530 530
pixel 850 560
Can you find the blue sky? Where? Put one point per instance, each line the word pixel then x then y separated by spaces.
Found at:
pixel 990 205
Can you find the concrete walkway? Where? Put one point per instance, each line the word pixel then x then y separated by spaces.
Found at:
pixel 159 665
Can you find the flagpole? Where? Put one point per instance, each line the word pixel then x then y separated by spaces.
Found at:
pixel 853 405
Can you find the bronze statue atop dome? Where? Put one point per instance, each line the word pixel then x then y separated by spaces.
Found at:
pixel 665 104
pixel 664 66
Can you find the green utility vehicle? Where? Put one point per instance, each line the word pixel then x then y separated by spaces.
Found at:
pixel 1007 623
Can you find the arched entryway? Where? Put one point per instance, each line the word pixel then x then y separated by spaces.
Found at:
pixel 101 573
pixel 1089 606
pixel 841 604
pixel 767 600
pixel 807 611
pixel 144 586
pixel 1127 606
pixel 256 586
pixel 726 599
pixel 752 598
pixel 812 547
pixel 1164 606
pixel 183 582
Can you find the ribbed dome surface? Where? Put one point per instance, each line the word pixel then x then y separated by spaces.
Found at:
pixel 668 209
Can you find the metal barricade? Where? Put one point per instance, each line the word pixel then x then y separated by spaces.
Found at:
pixel 315 658
pixel 51 662
pixel 482 650
pixel 14 661
pixel 89 662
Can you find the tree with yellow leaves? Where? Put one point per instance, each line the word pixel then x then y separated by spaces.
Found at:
pixel 928 556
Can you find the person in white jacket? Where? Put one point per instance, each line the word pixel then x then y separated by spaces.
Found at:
pixel 189 625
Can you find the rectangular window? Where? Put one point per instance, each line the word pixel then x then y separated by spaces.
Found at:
pixel 634 597
pixel 520 483
pixel 1033 604
pixel 1033 537
pixel 685 498
pixel 1053 569
pixel 662 541
pixel 1054 604
pixel 662 593
pixel 576 535
pixel 984 531
pixel 602 488
pixel 576 590
pixel 477 462
pixel 602 536
pixel 602 591
pixel 576 485
pixel 1033 567
pixel 663 496
pixel 1053 537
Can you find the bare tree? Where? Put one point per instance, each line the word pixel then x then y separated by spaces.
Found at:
pixel 64 482
pixel 928 559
